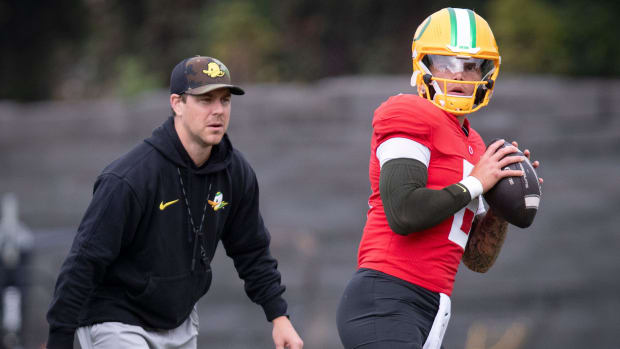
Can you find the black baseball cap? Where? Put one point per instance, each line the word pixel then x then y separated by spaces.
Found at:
pixel 199 75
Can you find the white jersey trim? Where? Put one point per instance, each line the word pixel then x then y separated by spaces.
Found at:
pixel 481 208
pixel 398 147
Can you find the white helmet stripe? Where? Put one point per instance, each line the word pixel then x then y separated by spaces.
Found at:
pixel 463 31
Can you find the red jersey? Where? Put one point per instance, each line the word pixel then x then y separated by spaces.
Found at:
pixel 427 258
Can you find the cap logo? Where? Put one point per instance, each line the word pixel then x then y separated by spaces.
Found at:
pixel 214 70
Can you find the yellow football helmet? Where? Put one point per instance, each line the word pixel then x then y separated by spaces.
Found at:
pixel 459 44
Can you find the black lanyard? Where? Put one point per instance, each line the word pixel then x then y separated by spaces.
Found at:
pixel 197 231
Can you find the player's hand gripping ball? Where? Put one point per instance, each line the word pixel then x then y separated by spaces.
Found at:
pixel 516 199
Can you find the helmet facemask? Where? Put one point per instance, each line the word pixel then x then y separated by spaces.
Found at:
pixel 464 92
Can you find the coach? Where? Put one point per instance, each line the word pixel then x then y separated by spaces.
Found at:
pixel 141 257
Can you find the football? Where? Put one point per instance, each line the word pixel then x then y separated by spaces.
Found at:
pixel 516 199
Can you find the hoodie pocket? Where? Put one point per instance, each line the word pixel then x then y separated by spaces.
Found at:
pixel 169 300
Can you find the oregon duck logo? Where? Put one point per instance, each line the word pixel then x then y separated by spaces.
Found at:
pixel 214 70
pixel 218 201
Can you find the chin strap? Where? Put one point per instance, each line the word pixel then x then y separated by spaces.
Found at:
pixel 427 78
pixel 482 90
pixel 430 89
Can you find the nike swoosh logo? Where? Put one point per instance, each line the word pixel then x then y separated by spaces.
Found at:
pixel 460 186
pixel 163 206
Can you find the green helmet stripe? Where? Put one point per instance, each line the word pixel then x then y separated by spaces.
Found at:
pixel 426 23
pixel 472 27
pixel 462 28
pixel 453 31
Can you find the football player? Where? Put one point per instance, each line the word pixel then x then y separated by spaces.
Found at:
pixel 428 168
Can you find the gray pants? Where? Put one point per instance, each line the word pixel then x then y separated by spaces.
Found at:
pixel 116 335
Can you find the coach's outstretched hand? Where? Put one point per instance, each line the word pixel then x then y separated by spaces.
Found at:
pixel 284 335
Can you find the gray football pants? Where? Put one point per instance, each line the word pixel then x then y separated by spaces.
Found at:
pixel 116 335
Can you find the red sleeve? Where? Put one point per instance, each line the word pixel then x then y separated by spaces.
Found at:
pixel 403 116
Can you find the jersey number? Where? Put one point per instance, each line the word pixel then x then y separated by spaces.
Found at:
pixel 461 225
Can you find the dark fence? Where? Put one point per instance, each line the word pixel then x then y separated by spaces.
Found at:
pixel 555 284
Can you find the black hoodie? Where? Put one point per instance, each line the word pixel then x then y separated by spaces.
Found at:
pixel 136 259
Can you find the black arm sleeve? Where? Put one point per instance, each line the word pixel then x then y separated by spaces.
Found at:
pixel 410 206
